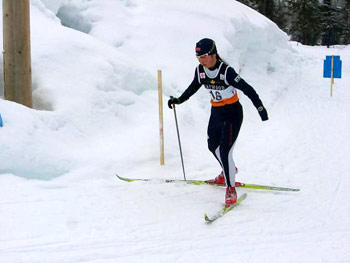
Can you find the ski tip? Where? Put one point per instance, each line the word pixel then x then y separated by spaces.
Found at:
pixel 207 219
pixel 121 178
pixel 124 179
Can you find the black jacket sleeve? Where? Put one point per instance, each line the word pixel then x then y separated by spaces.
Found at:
pixel 235 80
pixel 192 89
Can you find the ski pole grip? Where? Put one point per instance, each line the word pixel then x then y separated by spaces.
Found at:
pixel 172 97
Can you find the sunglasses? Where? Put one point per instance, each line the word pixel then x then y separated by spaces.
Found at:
pixel 203 56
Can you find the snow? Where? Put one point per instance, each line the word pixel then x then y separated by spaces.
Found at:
pixel 96 114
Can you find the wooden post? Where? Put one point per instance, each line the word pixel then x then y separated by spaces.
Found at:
pixel 160 103
pixel 17 58
pixel 332 79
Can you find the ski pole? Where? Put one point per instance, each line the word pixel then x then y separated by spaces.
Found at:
pixel 178 137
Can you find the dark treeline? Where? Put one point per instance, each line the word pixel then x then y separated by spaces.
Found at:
pixel 308 21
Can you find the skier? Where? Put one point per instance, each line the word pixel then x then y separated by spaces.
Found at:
pixel 221 81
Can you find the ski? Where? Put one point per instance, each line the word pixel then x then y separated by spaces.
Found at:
pixel 266 187
pixel 224 210
pixel 204 182
pixel 195 182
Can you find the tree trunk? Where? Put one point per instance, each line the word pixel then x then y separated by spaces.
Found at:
pixel 17 58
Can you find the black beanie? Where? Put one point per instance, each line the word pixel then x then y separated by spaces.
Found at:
pixel 205 46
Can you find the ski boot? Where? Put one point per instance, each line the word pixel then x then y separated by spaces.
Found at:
pixel 230 197
pixel 220 179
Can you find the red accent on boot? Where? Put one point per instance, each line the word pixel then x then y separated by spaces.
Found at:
pixel 231 196
pixel 219 180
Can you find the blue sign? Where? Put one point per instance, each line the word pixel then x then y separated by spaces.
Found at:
pixel 327 67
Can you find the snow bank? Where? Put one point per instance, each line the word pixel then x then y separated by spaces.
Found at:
pixel 87 84
pixel 53 5
pixel 96 83
pixel 162 35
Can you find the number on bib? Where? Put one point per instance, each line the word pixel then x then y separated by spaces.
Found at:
pixel 216 95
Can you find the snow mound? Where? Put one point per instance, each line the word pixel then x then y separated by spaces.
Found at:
pixel 94 74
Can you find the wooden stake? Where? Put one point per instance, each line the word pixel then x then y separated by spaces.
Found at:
pixel 332 79
pixel 17 58
pixel 160 103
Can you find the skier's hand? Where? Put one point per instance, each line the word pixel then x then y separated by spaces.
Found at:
pixel 172 101
pixel 263 113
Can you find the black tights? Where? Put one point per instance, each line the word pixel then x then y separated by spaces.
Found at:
pixel 223 129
